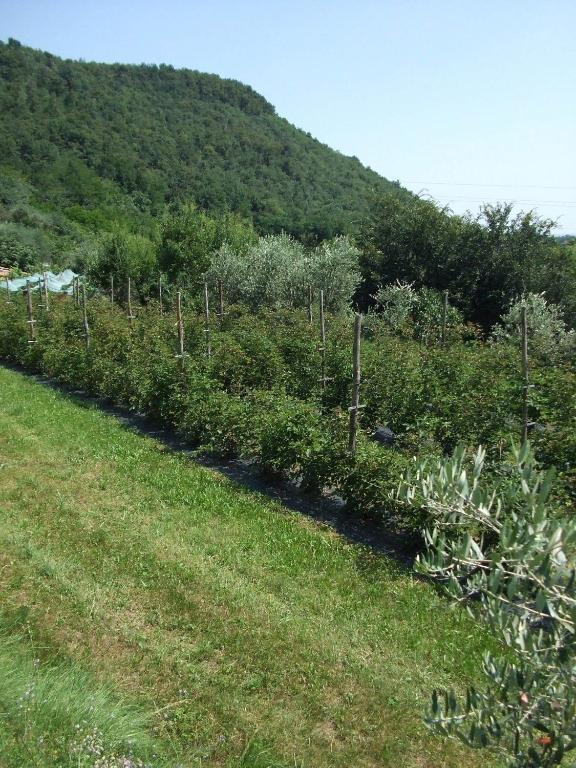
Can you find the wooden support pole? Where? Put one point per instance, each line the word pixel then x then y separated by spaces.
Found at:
pixel 40 296
pixel 77 291
pixel 221 299
pixel 355 406
pixel 160 293
pixel 310 318
pixel 112 289
pixel 85 318
pixel 444 319
pixel 207 321
pixel 46 298
pixel 180 327
pixel 8 296
pixel 130 315
pixel 525 373
pixel 322 343
pixel 31 321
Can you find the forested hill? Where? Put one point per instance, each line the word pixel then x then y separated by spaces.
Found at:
pixel 91 136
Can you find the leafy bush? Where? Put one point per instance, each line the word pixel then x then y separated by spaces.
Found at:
pixel 246 359
pixel 290 433
pixel 368 480
pixel 417 313
pixel 219 422
pixel 14 250
pixel 548 335
pixel 122 255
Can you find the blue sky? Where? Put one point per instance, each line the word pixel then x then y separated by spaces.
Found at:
pixel 469 101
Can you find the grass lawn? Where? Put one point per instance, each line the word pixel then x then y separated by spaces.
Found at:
pixel 231 631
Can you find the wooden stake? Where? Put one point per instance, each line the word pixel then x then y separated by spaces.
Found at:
pixel 355 406
pixel 40 302
pixel 207 320
pixel 310 304
pixel 525 374
pixel 221 299
pixel 112 289
pixel 46 299
pixel 85 318
pixel 160 293
pixel 444 319
pixel 322 343
pixel 130 315
pixel 180 327
pixel 31 321
pixel 8 296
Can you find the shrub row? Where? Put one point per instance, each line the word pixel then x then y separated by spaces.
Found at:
pixel 259 397
pixel 237 404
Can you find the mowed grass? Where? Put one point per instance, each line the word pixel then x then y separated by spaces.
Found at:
pixel 247 635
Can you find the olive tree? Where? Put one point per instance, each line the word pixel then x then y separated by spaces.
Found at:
pixel 334 268
pixel 413 312
pixel 549 336
pixel 278 270
pixel 511 560
pixel 396 302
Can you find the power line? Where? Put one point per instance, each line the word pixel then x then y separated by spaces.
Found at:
pixel 557 203
pixel 471 184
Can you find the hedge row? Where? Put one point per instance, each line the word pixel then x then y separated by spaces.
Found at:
pixel 243 411
pixel 259 397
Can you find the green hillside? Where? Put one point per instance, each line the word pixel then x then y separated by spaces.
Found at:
pixel 92 137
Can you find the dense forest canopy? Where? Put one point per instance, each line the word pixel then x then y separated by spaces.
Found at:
pixel 94 137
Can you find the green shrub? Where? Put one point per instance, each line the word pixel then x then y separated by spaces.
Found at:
pixel 368 480
pixel 510 558
pixel 246 359
pixel 290 432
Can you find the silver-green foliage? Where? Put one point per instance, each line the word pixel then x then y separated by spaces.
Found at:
pixel 333 268
pixel 506 556
pixel 278 271
pixel 396 302
pixel 549 336
pixel 413 312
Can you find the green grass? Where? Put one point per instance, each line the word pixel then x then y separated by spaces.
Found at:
pixel 54 714
pixel 244 634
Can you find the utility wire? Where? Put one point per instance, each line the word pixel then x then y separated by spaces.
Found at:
pixel 557 203
pixel 471 184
